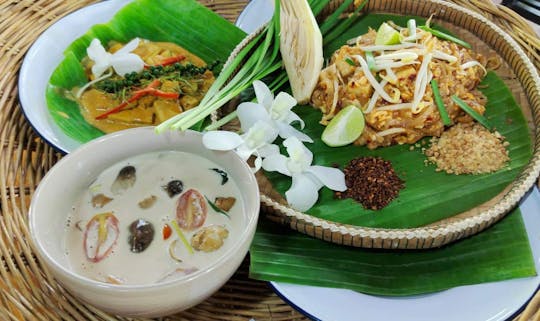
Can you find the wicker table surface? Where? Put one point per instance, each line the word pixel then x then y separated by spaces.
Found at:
pixel 27 291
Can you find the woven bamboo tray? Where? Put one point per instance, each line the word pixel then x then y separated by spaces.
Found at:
pixel 520 76
pixel 27 291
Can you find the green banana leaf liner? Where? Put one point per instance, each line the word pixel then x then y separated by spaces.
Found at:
pixel 434 208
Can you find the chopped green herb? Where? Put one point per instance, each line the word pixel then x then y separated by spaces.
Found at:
pixel 350 62
pixel 440 104
pixel 370 60
pixel 215 208
pixel 182 237
pixel 445 36
pixel 175 71
pixel 474 114
pixel 223 174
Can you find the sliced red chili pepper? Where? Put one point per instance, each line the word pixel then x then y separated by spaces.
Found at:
pixel 169 61
pixel 191 210
pixel 136 96
pixel 167 231
pixel 164 94
pixel 100 236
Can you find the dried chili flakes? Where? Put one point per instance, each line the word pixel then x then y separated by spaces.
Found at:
pixel 371 181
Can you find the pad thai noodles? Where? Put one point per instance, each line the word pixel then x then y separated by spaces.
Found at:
pixel 391 84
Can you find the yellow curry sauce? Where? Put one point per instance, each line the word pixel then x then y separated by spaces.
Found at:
pixel 147 110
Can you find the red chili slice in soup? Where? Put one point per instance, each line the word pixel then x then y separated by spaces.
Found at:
pixel 100 236
pixel 191 210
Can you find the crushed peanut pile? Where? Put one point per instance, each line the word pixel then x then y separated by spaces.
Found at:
pixel 468 149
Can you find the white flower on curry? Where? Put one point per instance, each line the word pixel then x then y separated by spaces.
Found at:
pixel 275 111
pixel 122 61
pixel 307 179
pixel 257 140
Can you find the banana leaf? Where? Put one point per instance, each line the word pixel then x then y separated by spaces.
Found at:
pixel 184 22
pixel 420 202
pixel 500 253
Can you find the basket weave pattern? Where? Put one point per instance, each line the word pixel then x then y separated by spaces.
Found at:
pixel 27 290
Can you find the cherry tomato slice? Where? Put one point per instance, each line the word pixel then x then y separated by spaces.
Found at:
pixel 191 210
pixel 167 231
pixel 100 236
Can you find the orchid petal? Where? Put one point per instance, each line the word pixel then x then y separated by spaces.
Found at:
pixel 249 113
pixel 221 140
pixel 300 157
pixel 332 178
pixel 286 131
pixel 125 64
pixel 263 93
pixel 257 164
pixel 129 47
pixel 99 68
pixel 99 56
pixel 245 151
pixel 303 193
pixel 292 117
pixel 276 163
pixel 282 106
pixel 268 149
pixel 97 52
pixel 260 134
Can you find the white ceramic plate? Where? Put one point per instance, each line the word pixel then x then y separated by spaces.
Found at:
pixel 494 301
pixel 41 60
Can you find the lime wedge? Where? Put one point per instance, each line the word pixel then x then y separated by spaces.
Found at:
pixel 386 35
pixel 344 128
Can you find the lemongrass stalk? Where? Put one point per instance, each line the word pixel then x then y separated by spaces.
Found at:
pixel 275 85
pixel 186 124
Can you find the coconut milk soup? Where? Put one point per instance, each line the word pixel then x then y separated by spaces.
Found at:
pixel 152 218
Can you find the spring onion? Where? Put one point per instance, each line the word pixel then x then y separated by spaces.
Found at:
pixel 445 36
pixel 215 208
pixel 350 62
pixel 370 60
pixel 440 104
pixel 182 237
pixel 339 26
pixel 411 25
pixel 473 113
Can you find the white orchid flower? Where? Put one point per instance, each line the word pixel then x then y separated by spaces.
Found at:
pixel 257 140
pixel 122 61
pixel 307 179
pixel 276 111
